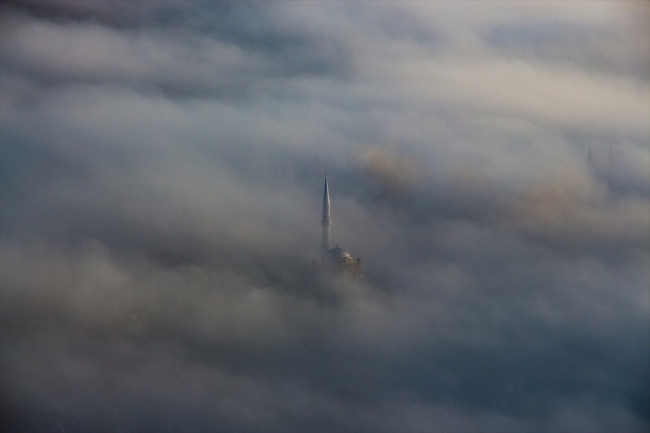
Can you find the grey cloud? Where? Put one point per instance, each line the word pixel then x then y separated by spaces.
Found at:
pixel 156 247
pixel 240 57
pixel 620 49
pixel 138 307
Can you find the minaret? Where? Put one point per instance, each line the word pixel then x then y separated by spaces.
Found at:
pixel 326 222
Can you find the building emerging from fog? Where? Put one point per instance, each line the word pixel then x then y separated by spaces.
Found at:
pixel 335 259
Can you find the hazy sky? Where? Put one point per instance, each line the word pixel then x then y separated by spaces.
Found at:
pixel 161 176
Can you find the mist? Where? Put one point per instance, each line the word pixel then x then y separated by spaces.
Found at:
pixel 161 175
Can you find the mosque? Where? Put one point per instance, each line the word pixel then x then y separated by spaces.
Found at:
pixel 335 259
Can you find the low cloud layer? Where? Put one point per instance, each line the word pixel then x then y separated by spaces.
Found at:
pixel 161 176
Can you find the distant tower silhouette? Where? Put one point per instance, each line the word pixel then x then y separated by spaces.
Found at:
pixel 326 222
pixel 590 163
pixel 610 166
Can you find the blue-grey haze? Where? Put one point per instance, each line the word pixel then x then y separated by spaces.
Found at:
pixel 161 174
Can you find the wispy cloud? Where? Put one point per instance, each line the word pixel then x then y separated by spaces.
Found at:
pixel 161 172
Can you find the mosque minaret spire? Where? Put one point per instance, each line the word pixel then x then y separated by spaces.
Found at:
pixel 326 222
pixel 336 259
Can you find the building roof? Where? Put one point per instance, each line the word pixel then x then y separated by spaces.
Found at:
pixel 337 254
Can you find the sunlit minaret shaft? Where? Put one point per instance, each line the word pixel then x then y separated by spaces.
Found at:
pixel 326 222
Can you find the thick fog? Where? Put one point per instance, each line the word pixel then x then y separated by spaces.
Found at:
pixel 162 171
